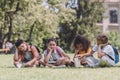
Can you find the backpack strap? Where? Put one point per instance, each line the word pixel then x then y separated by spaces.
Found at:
pixel 109 55
pixel 58 52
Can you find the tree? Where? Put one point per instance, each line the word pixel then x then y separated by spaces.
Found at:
pixel 36 23
pixel 8 8
pixel 33 22
pixel 29 20
pixel 87 15
pixel 26 19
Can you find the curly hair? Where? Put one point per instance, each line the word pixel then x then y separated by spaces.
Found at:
pixel 80 39
pixel 103 38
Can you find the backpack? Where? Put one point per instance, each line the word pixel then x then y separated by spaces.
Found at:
pixel 116 54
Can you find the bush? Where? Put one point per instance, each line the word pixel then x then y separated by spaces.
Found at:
pixel 114 39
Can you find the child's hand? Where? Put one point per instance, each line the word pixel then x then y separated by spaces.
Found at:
pixel 50 50
pixel 76 51
pixel 79 56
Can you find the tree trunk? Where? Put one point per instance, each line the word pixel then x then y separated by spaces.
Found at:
pixel 0 38
pixel 30 33
pixel 79 10
pixel 10 28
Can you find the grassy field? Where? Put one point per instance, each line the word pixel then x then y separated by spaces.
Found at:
pixel 9 72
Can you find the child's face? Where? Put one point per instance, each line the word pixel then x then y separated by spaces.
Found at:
pixel 79 47
pixel 51 44
pixel 99 42
pixel 22 47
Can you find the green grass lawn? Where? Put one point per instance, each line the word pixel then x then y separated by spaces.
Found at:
pixel 9 72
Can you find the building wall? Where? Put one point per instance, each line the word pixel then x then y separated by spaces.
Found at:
pixel 106 25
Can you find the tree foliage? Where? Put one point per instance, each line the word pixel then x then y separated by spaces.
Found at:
pixel 87 15
pixel 31 21
pixel 34 22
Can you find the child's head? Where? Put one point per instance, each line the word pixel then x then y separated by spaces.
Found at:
pixel 102 39
pixel 51 43
pixel 81 43
pixel 21 45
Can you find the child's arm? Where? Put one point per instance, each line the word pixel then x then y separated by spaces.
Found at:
pixel 16 58
pixel 48 55
pixel 76 53
pixel 65 55
pixel 88 53
pixel 100 53
pixel 36 56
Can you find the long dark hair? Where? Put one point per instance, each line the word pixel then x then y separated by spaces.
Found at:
pixel 80 39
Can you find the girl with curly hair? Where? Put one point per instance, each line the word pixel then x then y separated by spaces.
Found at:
pixel 83 51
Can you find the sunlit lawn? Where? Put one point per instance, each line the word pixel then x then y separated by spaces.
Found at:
pixel 9 72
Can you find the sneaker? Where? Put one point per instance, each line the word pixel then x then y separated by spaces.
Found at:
pixel 19 65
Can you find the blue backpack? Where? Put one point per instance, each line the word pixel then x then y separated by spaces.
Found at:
pixel 116 54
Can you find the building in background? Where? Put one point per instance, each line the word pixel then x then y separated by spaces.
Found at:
pixel 111 16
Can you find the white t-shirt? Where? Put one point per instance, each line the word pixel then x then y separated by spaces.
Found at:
pixel 107 50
